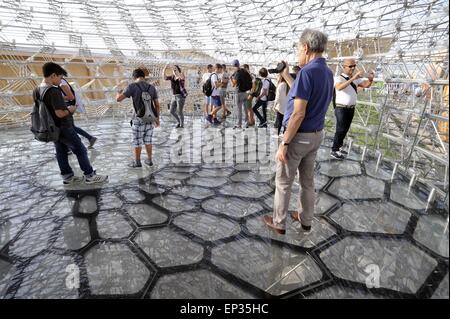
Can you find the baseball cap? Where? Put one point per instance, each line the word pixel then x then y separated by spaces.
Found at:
pixel 235 63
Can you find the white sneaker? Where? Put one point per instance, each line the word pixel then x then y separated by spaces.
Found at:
pixel 95 179
pixel 337 155
pixel 72 180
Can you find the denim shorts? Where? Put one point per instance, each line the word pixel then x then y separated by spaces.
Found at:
pixel 216 101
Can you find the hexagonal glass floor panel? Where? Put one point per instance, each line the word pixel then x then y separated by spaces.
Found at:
pixel 195 192
pixel 145 214
pixel 392 264
pixel 207 227
pixel 167 248
pixel 402 194
pixel 113 269
pixel 231 206
pixel 372 217
pixel 359 187
pixel 432 231
pixel 190 285
pixel 174 203
pixel 340 168
pixel 111 225
pixel 270 268
pixel 46 277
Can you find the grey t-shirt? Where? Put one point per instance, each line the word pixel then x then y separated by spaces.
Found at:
pixel 135 92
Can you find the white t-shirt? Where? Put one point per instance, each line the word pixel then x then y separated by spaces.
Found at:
pixel 214 78
pixel 347 96
pixel 281 98
pixel 265 85
pixel 205 77
pixel 78 100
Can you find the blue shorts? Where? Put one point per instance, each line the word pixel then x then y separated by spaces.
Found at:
pixel 216 101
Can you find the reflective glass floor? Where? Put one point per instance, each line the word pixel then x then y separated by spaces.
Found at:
pixel 193 228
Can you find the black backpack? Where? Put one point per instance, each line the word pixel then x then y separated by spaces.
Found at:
pixel 334 90
pixel 42 123
pixel 207 86
pixel 272 91
pixel 245 81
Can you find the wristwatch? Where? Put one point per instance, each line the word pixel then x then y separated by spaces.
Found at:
pixel 284 143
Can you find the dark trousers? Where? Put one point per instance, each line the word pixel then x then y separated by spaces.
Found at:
pixel 69 139
pixel 279 122
pixel 344 117
pixel 262 119
pixel 82 132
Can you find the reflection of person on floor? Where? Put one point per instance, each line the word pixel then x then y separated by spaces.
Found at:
pixel 346 86
pixel 142 132
pixel 69 96
pixel 304 118
pixel 68 138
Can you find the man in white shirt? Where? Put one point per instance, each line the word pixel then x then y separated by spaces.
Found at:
pixel 346 92
pixel 216 102
pixel 205 78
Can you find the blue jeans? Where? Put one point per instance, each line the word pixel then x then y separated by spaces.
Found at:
pixel 82 132
pixel 262 119
pixel 344 118
pixel 69 139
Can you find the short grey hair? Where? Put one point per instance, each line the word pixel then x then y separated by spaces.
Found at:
pixel 315 40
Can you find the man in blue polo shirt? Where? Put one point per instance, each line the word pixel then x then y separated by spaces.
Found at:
pixel 309 98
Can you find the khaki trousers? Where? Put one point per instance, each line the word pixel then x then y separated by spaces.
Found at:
pixel 301 155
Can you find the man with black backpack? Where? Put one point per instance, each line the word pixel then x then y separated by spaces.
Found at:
pixel 267 93
pixel 145 115
pixel 242 80
pixel 52 121
pixel 207 88
pixel 344 101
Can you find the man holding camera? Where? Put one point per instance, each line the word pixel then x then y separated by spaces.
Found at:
pixel 304 119
pixel 346 86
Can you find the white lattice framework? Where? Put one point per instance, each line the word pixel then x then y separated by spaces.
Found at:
pixel 406 42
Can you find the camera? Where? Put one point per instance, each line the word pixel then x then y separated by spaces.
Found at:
pixel 280 67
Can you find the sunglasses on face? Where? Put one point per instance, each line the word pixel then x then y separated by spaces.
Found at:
pixel 351 66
